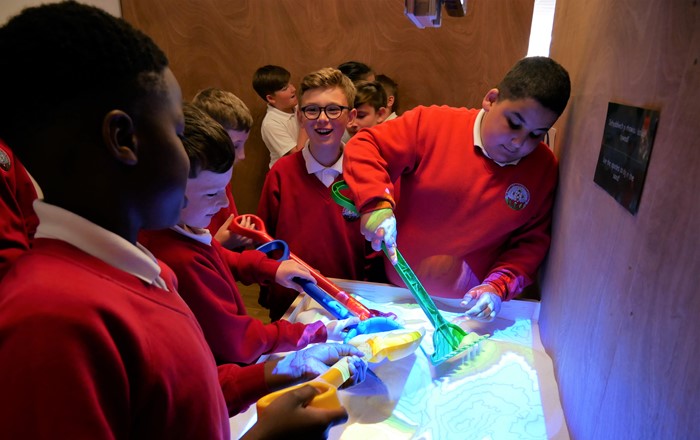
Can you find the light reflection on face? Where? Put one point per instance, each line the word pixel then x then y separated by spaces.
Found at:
pixel 512 129
pixel 206 195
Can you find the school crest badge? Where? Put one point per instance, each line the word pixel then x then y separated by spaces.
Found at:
pixel 517 196
pixel 5 162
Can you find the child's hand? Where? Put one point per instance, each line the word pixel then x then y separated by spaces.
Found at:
pixel 290 269
pixel 316 360
pixel 291 416
pixel 336 329
pixel 229 240
pixel 380 226
pixel 488 303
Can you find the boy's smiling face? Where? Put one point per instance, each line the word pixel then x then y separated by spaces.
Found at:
pixel 512 129
pixel 206 195
pixel 324 132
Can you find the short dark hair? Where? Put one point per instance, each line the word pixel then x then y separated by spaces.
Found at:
pixel 226 108
pixel 94 62
pixel 355 70
pixel 539 78
pixel 269 79
pixel 206 142
pixel 391 89
pixel 370 92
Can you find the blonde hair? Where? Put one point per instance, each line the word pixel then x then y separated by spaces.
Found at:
pixel 225 108
pixel 327 78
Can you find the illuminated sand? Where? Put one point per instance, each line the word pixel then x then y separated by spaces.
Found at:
pixel 505 391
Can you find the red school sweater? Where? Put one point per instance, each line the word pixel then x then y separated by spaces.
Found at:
pixel 207 282
pixel 90 351
pixel 297 208
pixel 462 219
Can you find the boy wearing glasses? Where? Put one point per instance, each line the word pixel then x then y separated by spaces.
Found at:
pixel 296 203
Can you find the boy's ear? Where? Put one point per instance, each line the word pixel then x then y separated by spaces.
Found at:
pixel 352 113
pixel 389 101
pixel 490 99
pixel 119 137
pixel 382 114
pixel 270 99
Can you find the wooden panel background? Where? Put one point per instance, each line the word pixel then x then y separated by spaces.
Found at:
pixel 620 299
pixel 222 42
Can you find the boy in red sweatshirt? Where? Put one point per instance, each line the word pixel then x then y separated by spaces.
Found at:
pixel 207 272
pixel 95 342
pixel 477 187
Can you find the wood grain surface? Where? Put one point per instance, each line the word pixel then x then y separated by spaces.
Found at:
pixel 620 299
pixel 220 43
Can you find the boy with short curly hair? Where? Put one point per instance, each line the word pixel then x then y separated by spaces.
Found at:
pixel 477 187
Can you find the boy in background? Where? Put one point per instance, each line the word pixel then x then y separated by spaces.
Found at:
pixel 296 203
pixel 392 95
pixel 357 71
pixel 477 187
pixel 370 105
pixel 95 342
pixel 207 272
pixel 18 221
pixel 231 112
pixel 280 128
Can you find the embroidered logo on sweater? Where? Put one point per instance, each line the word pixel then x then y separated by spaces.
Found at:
pixel 5 162
pixel 517 196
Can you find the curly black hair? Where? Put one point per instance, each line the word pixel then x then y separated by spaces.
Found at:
pixel 71 60
pixel 539 78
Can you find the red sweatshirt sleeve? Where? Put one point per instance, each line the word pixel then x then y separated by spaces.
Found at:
pixel 250 267
pixel 207 284
pixel 374 159
pixel 242 386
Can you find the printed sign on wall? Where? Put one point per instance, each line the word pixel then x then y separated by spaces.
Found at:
pixel 624 153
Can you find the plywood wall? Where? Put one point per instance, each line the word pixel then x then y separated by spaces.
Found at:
pixel 222 42
pixel 621 296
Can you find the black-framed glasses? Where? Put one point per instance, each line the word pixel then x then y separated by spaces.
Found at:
pixel 332 111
